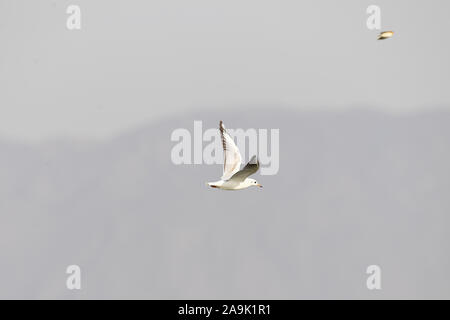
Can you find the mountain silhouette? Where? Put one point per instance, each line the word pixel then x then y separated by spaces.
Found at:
pixel 355 188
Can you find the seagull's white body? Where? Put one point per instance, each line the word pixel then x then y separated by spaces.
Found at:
pixel 233 185
pixel 233 178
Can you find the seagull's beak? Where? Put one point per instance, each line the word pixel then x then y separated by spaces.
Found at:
pixel 259 185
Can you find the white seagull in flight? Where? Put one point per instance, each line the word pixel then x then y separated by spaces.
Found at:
pixel 233 178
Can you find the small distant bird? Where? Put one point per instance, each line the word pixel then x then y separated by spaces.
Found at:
pixel 233 178
pixel 385 35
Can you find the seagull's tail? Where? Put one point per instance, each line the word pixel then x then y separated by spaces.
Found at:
pixel 211 184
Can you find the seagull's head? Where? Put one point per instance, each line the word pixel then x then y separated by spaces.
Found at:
pixel 253 183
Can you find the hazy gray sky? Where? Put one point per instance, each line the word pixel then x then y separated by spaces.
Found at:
pixel 135 61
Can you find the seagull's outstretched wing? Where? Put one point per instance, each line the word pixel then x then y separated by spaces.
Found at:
pixel 232 157
pixel 251 167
